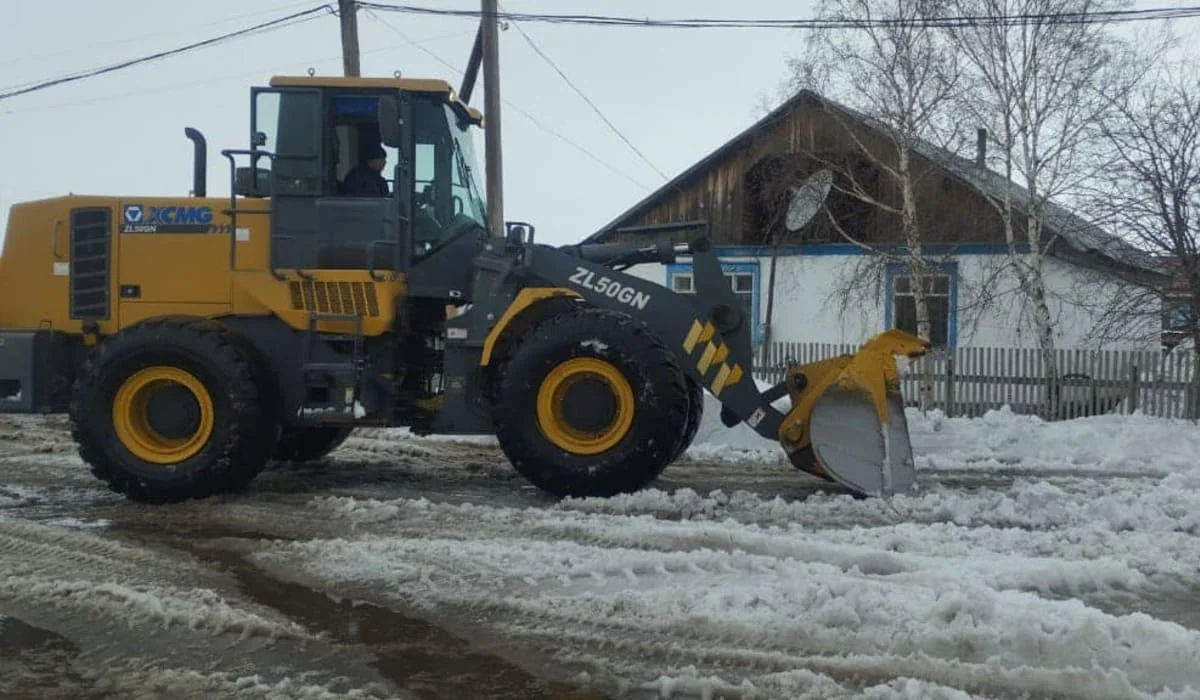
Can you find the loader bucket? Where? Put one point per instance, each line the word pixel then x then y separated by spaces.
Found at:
pixel 847 422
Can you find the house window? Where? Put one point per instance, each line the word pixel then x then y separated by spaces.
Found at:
pixel 742 278
pixel 939 298
pixel 1179 315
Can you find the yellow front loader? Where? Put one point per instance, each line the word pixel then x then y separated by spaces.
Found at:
pixel 192 340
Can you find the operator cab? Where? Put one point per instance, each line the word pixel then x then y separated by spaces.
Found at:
pixel 309 134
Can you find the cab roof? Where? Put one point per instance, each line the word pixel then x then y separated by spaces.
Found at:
pixel 410 84
pixel 413 84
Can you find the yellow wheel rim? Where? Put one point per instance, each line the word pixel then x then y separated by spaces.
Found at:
pixel 552 416
pixel 134 423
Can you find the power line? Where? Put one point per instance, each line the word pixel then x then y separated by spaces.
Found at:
pixel 534 120
pixel 135 39
pixel 172 87
pixel 591 104
pixel 294 18
pixel 1107 16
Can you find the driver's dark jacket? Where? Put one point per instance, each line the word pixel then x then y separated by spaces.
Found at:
pixel 362 181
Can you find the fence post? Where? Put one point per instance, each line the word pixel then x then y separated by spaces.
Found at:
pixel 1135 388
pixel 950 384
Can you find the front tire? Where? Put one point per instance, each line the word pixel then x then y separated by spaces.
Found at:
pixel 171 410
pixel 695 414
pixel 590 404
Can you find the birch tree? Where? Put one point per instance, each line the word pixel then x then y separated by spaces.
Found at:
pixel 1041 86
pixel 901 75
pixel 1153 192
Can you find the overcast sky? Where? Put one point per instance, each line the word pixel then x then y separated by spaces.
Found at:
pixel 676 94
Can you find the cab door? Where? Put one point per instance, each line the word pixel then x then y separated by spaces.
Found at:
pixel 313 226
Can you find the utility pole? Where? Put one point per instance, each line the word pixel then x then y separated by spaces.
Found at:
pixel 468 83
pixel 348 14
pixel 491 114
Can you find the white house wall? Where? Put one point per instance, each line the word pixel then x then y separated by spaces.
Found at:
pixel 809 304
pixel 993 313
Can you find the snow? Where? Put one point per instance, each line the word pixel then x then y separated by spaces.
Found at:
pixel 1071 575
pixel 1129 444
pixel 1036 559
pixel 68 568
pixel 715 442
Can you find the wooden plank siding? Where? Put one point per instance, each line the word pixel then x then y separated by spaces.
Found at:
pixel 796 142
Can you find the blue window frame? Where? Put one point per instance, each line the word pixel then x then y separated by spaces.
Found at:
pixel 743 280
pixel 1179 315
pixel 900 310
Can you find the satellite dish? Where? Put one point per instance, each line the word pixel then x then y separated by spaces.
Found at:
pixel 807 199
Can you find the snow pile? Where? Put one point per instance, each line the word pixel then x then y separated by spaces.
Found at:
pixel 1001 439
pixel 1127 444
pixel 715 442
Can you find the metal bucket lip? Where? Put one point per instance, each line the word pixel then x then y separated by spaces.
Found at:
pixel 841 456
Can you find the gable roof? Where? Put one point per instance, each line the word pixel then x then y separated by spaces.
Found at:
pixel 1084 238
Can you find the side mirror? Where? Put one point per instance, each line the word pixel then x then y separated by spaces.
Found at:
pixel 807 199
pixel 260 139
pixel 388 114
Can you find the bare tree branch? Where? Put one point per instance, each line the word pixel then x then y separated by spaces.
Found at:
pixel 1041 88
pixel 899 79
pixel 1153 192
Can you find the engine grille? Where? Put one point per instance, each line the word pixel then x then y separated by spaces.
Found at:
pixel 90 251
pixel 356 298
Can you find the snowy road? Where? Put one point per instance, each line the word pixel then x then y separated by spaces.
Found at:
pixel 1038 560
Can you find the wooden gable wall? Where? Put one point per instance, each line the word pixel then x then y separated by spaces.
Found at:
pixel 794 144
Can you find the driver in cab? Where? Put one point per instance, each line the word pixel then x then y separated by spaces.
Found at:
pixel 365 179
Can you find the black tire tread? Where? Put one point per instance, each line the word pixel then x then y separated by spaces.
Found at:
pixel 242 453
pixel 628 467
pixel 695 414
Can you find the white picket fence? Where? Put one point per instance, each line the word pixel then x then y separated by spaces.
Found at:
pixel 971 381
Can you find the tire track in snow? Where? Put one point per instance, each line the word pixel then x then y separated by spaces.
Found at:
pixel 600 581
pixel 79 572
pixel 1079 557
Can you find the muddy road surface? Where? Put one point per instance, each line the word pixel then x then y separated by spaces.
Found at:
pixel 421 568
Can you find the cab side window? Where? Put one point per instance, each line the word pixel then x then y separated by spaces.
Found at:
pixel 362 165
pixel 288 124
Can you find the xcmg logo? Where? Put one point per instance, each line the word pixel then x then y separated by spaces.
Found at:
pixel 168 219
pixel 180 215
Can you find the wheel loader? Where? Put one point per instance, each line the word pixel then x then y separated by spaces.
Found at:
pixel 192 340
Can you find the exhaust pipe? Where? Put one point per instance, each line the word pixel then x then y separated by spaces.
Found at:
pixel 199 162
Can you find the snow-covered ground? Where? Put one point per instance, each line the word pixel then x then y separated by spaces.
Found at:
pixel 1036 560
pixel 1038 583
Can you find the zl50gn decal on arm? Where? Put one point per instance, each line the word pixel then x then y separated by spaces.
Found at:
pixel 610 288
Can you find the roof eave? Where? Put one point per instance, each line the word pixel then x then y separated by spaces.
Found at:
pixel 702 164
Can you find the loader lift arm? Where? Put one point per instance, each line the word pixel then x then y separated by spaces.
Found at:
pixel 712 339
pixel 846 423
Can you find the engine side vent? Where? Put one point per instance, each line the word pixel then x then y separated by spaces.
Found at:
pixel 356 298
pixel 90 260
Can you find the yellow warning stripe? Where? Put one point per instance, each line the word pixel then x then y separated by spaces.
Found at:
pixel 706 359
pixel 713 355
pixel 693 337
pixel 728 379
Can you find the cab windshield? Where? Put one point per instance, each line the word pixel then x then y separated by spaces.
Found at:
pixel 447 191
pixel 466 185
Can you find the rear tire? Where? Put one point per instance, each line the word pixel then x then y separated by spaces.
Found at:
pixel 616 439
pixel 171 410
pixel 310 443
